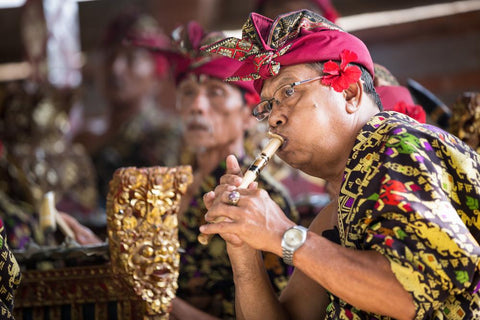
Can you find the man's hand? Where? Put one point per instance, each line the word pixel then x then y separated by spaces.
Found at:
pixel 256 219
pixel 83 235
pixel 234 174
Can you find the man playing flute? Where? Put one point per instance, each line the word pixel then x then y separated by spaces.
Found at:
pixel 401 239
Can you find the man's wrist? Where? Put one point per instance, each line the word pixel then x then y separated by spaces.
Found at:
pixel 293 238
pixel 244 259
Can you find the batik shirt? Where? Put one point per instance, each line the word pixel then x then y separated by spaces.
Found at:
pixel 206 278
pixel 411 192
pixel 9 276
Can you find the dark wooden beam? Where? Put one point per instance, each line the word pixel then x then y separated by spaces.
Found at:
pixel 443 54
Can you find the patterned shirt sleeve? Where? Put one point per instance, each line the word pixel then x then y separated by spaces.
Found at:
pixel 418 207
pixel 10 276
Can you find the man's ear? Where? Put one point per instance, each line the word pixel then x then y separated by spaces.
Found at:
pixel 353 96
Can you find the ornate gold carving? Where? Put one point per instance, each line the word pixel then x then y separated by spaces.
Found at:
pixel 43 294
pixel 142 207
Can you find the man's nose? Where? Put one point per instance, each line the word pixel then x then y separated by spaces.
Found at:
pixel 276 118
pixel 200 103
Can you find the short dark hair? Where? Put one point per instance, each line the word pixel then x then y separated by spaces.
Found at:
pixel 368 85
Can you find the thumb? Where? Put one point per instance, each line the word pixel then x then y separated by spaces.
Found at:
pixel 232 166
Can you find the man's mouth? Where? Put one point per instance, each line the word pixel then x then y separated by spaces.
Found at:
pixel 197 127
pixel 284 140
pixel 197 124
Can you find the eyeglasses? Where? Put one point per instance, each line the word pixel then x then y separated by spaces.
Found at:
pixel 281 95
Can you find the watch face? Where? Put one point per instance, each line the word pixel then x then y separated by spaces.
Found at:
pixel 294 237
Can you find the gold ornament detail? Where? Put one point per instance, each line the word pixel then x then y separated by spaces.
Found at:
pixel 142 207
pixel 465 120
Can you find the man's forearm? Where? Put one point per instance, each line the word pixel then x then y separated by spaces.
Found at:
pixel 254 294
pixel 181 310
pixel 362 278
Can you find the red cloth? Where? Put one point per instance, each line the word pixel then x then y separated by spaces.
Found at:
pixel 184 55
pixel 328 9
pixel 220 68
pixel 390 95
pixel 293 38
pixel 132 24
pixel 398 98
pixel 153 40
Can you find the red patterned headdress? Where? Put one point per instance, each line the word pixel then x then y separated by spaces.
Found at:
pixel 185 56
pixel 398 98
pixel 131 24
pixel 395 97
pixel 293 38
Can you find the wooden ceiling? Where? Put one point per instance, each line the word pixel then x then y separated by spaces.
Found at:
pixel 441 53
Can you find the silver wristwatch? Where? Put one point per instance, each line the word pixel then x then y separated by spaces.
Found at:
pixel 292 239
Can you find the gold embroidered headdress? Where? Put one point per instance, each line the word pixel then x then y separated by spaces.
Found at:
pixel 292 38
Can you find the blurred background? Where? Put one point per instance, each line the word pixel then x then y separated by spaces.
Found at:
pixel 434 42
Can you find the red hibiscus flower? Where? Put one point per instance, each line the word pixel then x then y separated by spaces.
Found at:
pixel 413 111
pixel 341 77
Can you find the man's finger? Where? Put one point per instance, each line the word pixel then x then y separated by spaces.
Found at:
pixel 208 199
pixel 219 227
pixel 221 211
pixel 231 179
pixel 232 165
pixel 253 185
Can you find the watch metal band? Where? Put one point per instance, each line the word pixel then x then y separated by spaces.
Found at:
pixel 287 256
